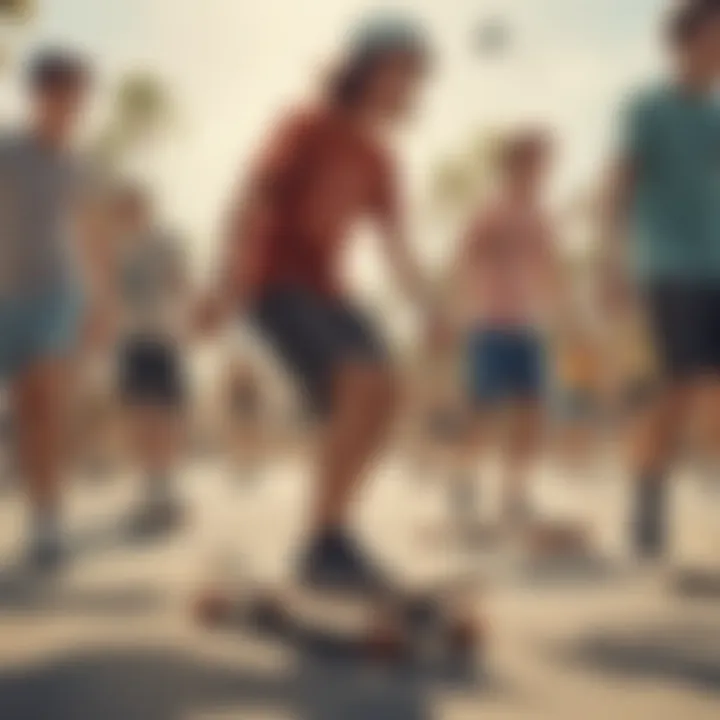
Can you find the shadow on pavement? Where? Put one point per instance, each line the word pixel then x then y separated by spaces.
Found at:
pixel 165 684
pixel 23 591
pixel 682 652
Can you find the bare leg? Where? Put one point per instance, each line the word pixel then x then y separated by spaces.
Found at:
pixel 362 410
pixel 523 435
pixel 155 434
pixel 38 396
pixel 654 450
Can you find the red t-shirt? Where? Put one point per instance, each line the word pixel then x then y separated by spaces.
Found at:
pixel 322 174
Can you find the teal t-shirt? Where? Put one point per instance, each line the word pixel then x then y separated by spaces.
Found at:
pixel 672 138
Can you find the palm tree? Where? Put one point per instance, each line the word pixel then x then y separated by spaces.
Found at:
pixel 460 178
pixel 141 110
pixel 492 37
pixel 142 103
pixel 14 15
pixel 17 11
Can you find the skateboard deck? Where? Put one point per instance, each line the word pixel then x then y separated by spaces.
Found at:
pixel 397 623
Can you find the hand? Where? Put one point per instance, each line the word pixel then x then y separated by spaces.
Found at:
pixel 209 314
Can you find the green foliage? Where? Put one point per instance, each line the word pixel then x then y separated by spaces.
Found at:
pixel 17 11
pixel 492 37
pixel 460 179
pixel 141 111
pixel 142 104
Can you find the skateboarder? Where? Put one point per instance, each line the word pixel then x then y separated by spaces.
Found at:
pixel 325 168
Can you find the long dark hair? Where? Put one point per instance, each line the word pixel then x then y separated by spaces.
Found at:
pixel 348 83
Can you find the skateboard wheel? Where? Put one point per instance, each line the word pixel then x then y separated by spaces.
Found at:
pixel 465 634
pixel 212 608
pixel 385 644
pixel 421 611
pixel 268 613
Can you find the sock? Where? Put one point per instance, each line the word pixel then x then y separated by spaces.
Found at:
pixel 464 496
pixel 159 489
pixel 650 519
pixel 329 538
pixel 46 526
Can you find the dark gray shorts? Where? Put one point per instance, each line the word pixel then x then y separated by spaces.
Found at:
pixel 685 319
pixel 151 373
pixel 314 336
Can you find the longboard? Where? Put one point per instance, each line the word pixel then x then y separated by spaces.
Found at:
pixel 698 583
pixel 397 623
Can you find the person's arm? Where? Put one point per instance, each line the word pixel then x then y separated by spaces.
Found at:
pixel 404 265
pixel 95 251
pixel 617 196
pixel 250 216
pixel 615 205
pixel 554 277
pixel 465 264
pixel 395 243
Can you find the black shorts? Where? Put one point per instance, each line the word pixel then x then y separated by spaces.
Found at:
pixel 151 373
pixel 685 322
pixel 314 336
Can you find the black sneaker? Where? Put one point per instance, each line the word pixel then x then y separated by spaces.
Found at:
pixel 46 554
pixel 336 563
pixel 153 520
pixel 649 529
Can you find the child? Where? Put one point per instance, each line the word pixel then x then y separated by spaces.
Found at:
pixel 151 296
pixel 508 274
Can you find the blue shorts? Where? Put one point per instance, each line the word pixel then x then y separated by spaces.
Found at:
pixel 505 365
pixel 37 327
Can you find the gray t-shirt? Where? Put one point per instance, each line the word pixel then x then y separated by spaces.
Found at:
pixel 39 191
pixel 151 283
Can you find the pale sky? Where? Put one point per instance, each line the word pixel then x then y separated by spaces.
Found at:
pixel 234 64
